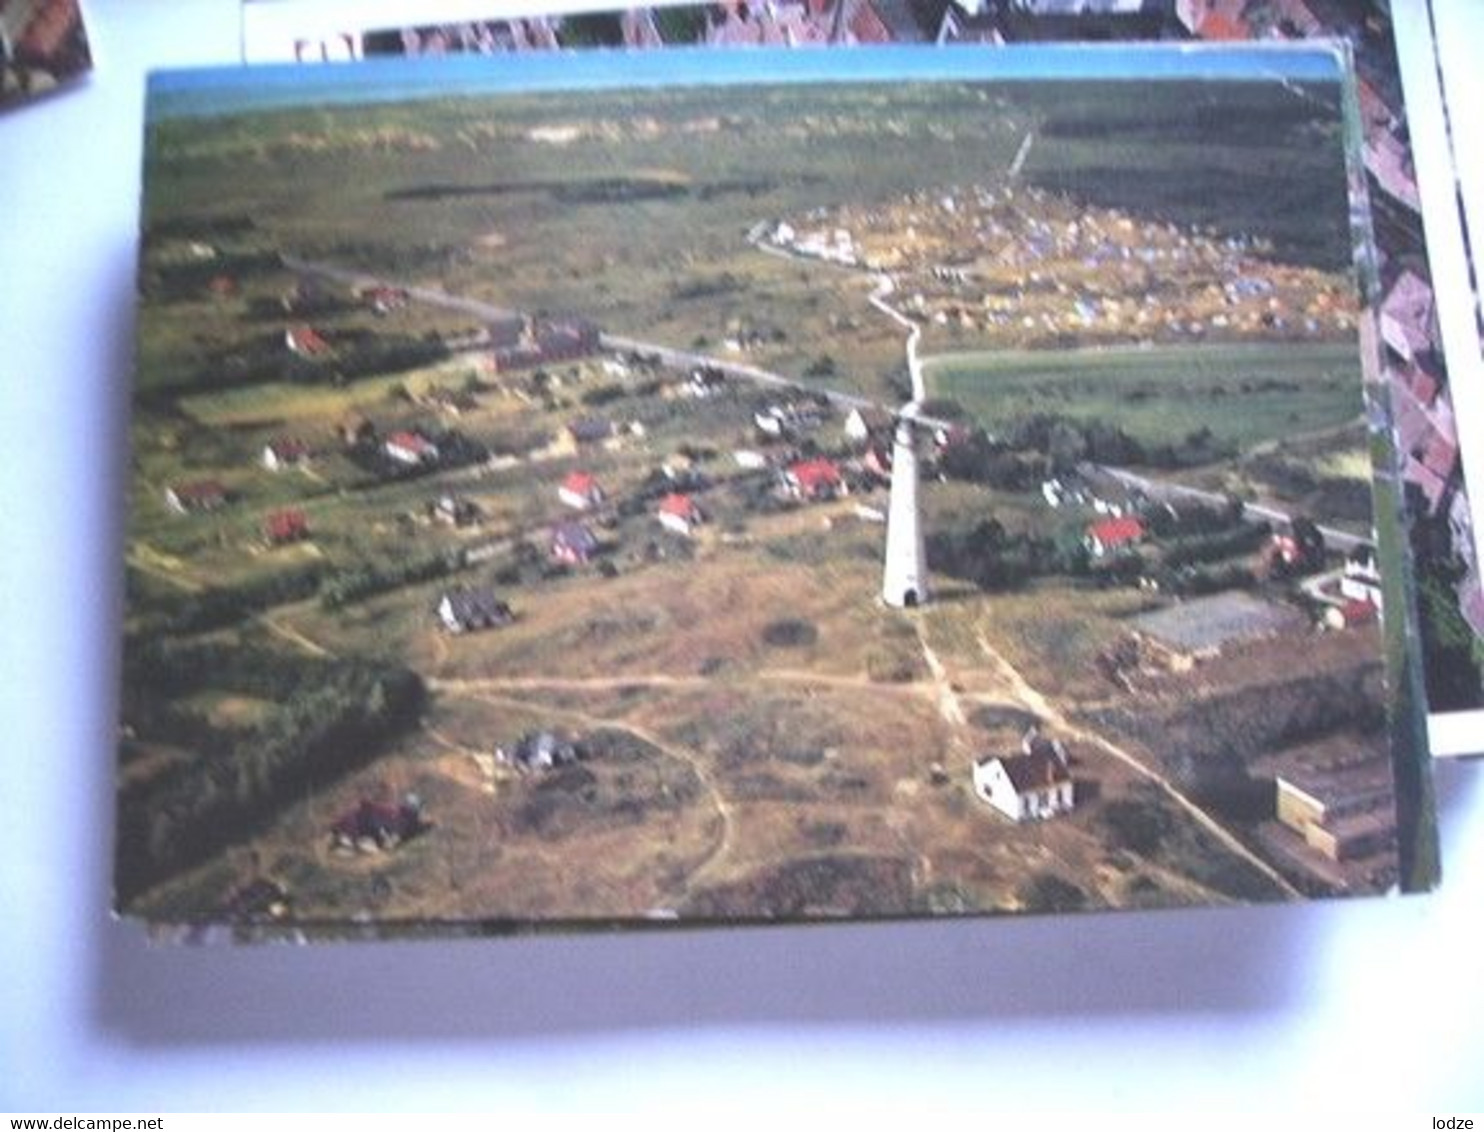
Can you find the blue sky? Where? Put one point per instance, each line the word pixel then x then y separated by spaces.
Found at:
pixel 233 89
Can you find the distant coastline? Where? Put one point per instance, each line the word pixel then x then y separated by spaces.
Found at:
pixel 218 91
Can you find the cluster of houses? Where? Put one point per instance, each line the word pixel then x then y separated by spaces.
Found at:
pixel 1022 265
pixel 525 343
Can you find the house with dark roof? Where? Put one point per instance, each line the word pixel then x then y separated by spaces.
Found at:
pixel 371 825
pixel 1030 786
pixel 200 495
pixel 590 430
pixel 285 452
pixel 541 750
pixel 861 424
pixel 573 543
pixel 465 610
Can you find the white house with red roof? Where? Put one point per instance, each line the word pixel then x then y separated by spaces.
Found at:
pixel 306 342
pixel 1113 536
pixel 814 479
pixel 410 448
pixel 581 491
pixel 678 512
pixel 285 452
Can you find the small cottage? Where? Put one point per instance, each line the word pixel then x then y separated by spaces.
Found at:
pixel 201 495
pixel 1030 786
pixel 581 491
pixel 541 750
pixel 573 543
pixel 1113 536
pixel 285 452
pixel 813 480
pixel 412 449
pixel 678 513
pixel 306 342
pixel 466 610
pixel 371 825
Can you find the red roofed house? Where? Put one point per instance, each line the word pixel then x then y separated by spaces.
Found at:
pixel 814 479
pixel 306 342
pixel 286 526
pixel 580 490
pixel 1030 786
pixel 410 448
pixel 203 495
pixel 1110 536
pixel 679 513
pixel 286 452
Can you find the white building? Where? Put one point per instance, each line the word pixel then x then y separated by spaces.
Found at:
pixel 1026 787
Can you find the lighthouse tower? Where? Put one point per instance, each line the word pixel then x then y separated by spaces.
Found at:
pixel 904 578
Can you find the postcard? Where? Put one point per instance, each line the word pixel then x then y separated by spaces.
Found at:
pixel 43 45
pixel 784 487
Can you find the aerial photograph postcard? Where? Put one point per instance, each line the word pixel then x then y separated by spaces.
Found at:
pixel 768 487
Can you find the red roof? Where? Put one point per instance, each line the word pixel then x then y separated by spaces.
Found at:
pixel 580 483
pixel 813 475
pixel 306 340
pixel 1116 532
pixel 1358 611
pixel 1220 26
pixel 288 524
pixel 679 505
pixel 411 441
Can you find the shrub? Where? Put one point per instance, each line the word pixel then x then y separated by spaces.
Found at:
pixel 790 632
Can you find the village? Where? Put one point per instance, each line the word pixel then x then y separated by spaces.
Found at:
pixel 509 583
pixel 616 490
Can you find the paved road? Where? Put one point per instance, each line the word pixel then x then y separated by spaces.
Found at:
pixel 669 355
pixel 486 312
pixel 1163 489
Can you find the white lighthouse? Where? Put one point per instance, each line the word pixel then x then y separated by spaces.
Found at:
pixel 904 577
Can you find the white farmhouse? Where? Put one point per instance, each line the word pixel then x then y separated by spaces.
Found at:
pixel 1029 786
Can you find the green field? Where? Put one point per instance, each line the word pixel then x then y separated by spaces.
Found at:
pixel 1245 394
